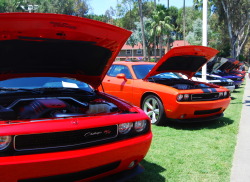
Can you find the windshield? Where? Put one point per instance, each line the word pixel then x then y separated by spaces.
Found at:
pixel 44 82
pixel 142 70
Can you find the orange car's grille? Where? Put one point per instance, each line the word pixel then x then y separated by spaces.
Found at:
pixel 205 96
pixel 224 83
pixel 64 139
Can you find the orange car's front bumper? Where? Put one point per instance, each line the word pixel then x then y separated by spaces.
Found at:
pixel 87 164
pixel 198 111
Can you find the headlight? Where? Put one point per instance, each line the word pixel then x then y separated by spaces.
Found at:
pixel 4 142
pixel 140 125
pixel 124 128
pixel 186 96
pixel 225 94
pixel 179 97
pixel 183 97
pixel 221 94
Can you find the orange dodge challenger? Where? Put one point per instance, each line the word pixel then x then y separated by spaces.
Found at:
pixel 162 93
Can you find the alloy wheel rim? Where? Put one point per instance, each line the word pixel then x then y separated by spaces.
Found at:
pixel 151 108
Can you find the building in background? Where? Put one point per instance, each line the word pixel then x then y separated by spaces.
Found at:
pixel 129 53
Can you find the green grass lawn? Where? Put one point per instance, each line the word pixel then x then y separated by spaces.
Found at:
pixel 198 152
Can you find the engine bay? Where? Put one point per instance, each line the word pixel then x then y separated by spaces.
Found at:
pixel 180 84
pixel 54 107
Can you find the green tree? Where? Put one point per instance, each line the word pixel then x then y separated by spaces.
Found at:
pixel 127 12
pixel 142 28
pixel 236 16
pixel 161 27
pixel 69 7
pixel 191 15
pixel 194 37
pixel 102 18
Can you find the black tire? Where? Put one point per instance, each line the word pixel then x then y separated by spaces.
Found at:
pixel 153 107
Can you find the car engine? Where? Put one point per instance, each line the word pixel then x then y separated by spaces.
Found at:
pixel 180 84
pixel 35 108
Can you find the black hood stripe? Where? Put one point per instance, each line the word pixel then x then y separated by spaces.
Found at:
pixel 206 90
pixel 209 90
pixel 213 89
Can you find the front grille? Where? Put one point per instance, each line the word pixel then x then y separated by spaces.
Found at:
pixel 201 112
pixel 205 96
pixel 64 139
pixel 224 83
pixel 77 175
pixel 236 79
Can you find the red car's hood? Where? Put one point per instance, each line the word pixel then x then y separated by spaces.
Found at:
pixel 186 60
pixel 33 44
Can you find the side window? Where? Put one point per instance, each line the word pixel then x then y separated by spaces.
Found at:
pixel 116 69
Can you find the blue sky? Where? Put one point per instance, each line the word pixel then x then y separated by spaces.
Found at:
pixel 100 6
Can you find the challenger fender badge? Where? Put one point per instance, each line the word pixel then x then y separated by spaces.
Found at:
pixel 74 122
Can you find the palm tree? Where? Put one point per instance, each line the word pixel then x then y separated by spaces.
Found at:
pixel 154 46
pixel 184 21
pixel 142 29
pixel 161 25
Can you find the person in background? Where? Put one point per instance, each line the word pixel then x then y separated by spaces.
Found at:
pixel 248 72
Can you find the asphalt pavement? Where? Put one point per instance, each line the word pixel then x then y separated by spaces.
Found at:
pixel 240 171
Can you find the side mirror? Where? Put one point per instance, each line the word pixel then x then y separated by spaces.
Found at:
pixel 121 76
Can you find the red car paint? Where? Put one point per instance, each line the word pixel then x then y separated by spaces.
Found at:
pixel 54 126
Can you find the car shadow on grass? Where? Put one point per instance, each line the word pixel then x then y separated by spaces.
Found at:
pixel 201 125
pixel 233 98
pixel 151 173
pixel 236 91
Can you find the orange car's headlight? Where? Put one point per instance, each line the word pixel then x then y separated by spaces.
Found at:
pixel 183 97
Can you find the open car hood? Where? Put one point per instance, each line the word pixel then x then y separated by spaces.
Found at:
pixel 234 64
pixel 186 60
pixel 34 44
pixel 216 64
pixel 224 64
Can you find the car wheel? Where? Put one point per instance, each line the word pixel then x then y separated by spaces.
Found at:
pixel 153 107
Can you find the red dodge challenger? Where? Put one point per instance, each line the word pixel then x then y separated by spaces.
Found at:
pixel 54 123
pixel 162 93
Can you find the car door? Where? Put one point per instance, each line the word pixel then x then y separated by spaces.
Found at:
pixel 121 87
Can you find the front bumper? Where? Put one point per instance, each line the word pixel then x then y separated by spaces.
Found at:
pixel 84 164
pixel 124 175
pixel 198 111
pixel 196 120
pixel 237 84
